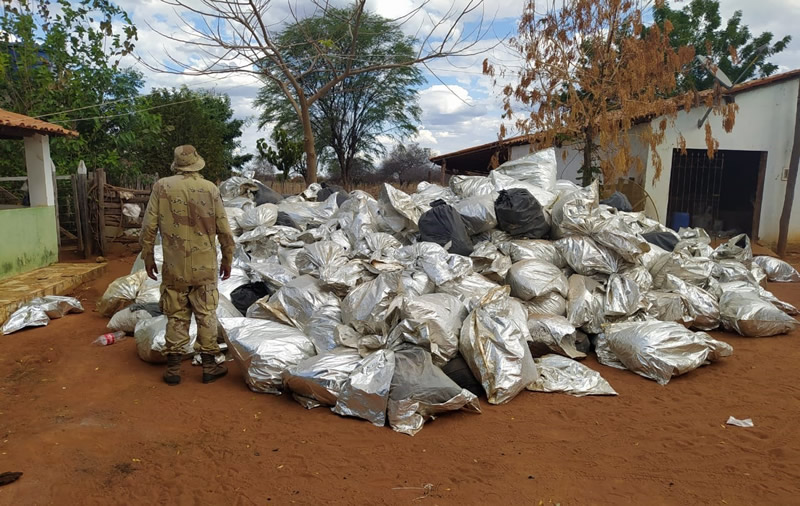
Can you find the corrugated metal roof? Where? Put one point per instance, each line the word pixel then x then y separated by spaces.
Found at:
pixel 525 139
pixel 14 120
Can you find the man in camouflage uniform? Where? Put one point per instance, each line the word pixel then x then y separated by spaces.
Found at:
pixel 188 211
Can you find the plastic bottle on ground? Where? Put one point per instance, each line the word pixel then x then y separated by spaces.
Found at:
pixel 110 338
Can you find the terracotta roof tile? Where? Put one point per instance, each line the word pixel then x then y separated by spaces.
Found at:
pixel 12 119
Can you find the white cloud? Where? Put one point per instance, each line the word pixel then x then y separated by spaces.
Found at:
pixel 448 123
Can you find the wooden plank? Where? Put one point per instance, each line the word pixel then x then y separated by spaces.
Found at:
pixel 762 172
pixel 13 178
pixel 100 175
pixel 76 204
pixel 83 211
pixel 788 199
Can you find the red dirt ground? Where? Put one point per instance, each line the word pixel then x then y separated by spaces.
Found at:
pixel 96 425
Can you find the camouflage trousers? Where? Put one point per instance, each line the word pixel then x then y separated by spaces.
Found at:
pixel 179 304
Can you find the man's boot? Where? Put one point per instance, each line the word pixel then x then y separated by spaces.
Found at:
pixel 172 376
pixel 212 371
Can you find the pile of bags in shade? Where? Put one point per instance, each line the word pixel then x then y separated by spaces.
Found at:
pixel 401 308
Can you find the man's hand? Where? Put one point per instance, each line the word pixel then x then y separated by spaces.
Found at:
pixel 224 272
pixel 152 270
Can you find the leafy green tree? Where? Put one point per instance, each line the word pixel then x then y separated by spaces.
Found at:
pixel 249 43
pixel 58 56
pixel 731 46
pixel 353 116
pixel 200 118
pixel 287 157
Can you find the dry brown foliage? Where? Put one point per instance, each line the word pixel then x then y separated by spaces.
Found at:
pixel 593 70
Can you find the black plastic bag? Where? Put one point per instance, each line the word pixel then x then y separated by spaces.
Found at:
pixel 442 224
pixel 663 240
pixel 520 214
pixel 329 189
pixel 285 220
pixel 618 201
pixel 266 195
pixel 458 370
pixel 244 296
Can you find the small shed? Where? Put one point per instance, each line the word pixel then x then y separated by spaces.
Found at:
pixel 30 233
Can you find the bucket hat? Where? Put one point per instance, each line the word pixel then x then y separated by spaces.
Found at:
pixel 187 160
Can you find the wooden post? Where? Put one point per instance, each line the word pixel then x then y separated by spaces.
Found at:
pixel 82 209
pixel 78 226
pixel 100 177
pixel 444 172
pixel 788 199
pixel 55 197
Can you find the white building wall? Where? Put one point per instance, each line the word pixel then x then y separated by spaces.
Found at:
pixel 765 122
pixel 570 157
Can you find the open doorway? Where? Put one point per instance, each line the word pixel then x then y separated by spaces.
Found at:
pixel 721 195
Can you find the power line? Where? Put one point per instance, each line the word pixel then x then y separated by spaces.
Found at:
pixel 130 112
pixel 125 100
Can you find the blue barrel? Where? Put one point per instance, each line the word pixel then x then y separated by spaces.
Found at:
pixel 679 220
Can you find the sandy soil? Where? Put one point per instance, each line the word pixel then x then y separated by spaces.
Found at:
pixel 94 425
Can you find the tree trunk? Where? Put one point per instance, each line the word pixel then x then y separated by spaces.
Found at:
pixel 344 167
pixel 788 200
pixel 588 147
pixel 308 146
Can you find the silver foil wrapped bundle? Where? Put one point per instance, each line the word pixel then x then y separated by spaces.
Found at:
pixel 120 293
pixel 777 270
pixel 548 304
pixel 545 197
pixel 615 234
pixel 736 249
pixel 236 186
pixel 264 215
pixel 693 270
pixel 745 312
pixel 477 213
pixel 264 349
pixel 428 192
pixel 702 307
pixel 563 375
pixel 552 334
pixel 273 273
pixel 533 278
pixel 586 257
pixel 572 213
pixel 435 261
pixel 660 350
pixel 471 186
pixel 470 289
pixel 494 345
pixel 537 169
pixel 622 296
pixel 537 249
pixel 421 391
pixel 489 261
pixel 309 214
pixel 366 307
pixel 303 304
pixel 432 322
pixel 667 307
pixel 399 210
pixel 39 311
pixel 585 304
pixel 318 380
pixel 233 214
pixel 365 394
pixel 151 340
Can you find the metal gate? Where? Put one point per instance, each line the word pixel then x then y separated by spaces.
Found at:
pixel 695 185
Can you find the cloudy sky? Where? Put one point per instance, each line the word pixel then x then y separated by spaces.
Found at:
pixel 461 107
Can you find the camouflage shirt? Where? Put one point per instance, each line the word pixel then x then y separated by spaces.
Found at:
pixel 188 211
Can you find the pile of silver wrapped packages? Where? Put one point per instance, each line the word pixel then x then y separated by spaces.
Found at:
pixel 362 316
